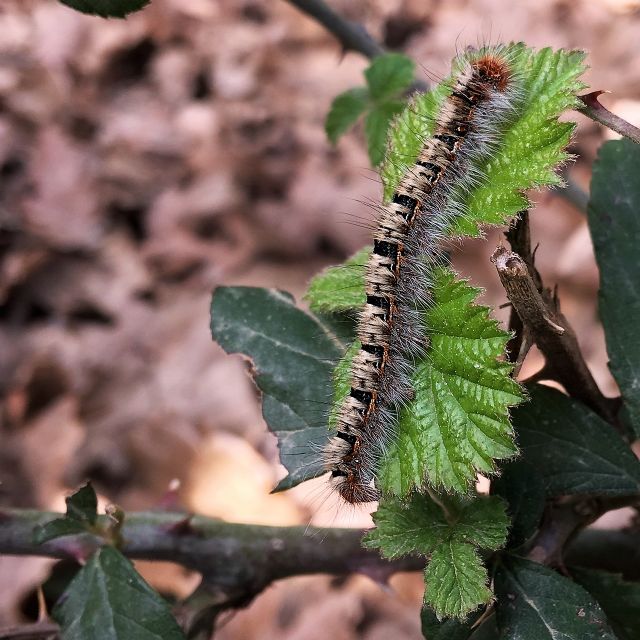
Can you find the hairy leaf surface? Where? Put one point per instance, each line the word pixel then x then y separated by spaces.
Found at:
pixel 458 422
pixel 451 531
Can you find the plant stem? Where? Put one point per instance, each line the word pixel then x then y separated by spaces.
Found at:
pixel 351 35
pixel 594 110
pixel 550 330
pixel 235 558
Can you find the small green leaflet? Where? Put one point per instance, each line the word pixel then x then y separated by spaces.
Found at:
pixel 615 229
pixel 81 517
pixel 339 289
pixel 108 600
pixel 345 112
pixel 387 78
pixel 107 8
pixel 451 531
pixel 532 148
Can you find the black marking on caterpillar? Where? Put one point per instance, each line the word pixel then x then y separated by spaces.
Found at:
pixel 407 246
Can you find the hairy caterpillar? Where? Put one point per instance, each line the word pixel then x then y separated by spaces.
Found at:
pixel 407 247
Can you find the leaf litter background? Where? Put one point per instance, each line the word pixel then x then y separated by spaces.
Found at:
pixel 144 162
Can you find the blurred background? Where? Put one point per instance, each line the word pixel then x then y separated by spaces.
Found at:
pixel 143 163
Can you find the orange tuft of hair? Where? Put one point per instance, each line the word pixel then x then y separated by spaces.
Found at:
pixel 495 69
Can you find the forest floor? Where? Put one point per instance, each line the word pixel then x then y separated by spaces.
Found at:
pixel 145 162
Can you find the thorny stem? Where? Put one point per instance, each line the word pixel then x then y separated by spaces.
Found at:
pixel 594 110
pixel 36 631
pixel 351 35
pixel 240 560
pixel 564 520
pixel 549 329
pixel 236 558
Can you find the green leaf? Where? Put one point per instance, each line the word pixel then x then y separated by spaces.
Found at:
pixel 82 505
pixel 108 600
pixel 572 448
pixel 456 580
pixel 293 358
pixel 615 228
pixel 536 603
pixel 522 487
pixel 81 516
pixel 58 528
pixel 345 111
pixel 107 8
pixel 619 599
pixel 458 422
pixel 531 148
pixel 339 289
pixel 388 75
pixel 412 127
pixel 376 128
pixel 451 530
pixel 418 525
pixel 450 629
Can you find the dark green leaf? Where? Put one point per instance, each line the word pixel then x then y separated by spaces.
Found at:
pixel 345 111
pixel 573 449
pixel 83 505
pixel 108 600
pixel 523 489
pixel 487 630
pixel 619 599
pixel 81 516
pixel 388 75
pixel 376 128
pixel 293 356
pixel 536 603
pixel 614 220
pixel 107 8
pixel 451 629
pixel 58 528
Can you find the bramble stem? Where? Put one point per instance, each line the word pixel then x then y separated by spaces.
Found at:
pixel 351 35
pixel 594 110
pixel 540 314
pixel 231 556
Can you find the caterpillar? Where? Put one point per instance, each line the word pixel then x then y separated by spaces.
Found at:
pixel 407 245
